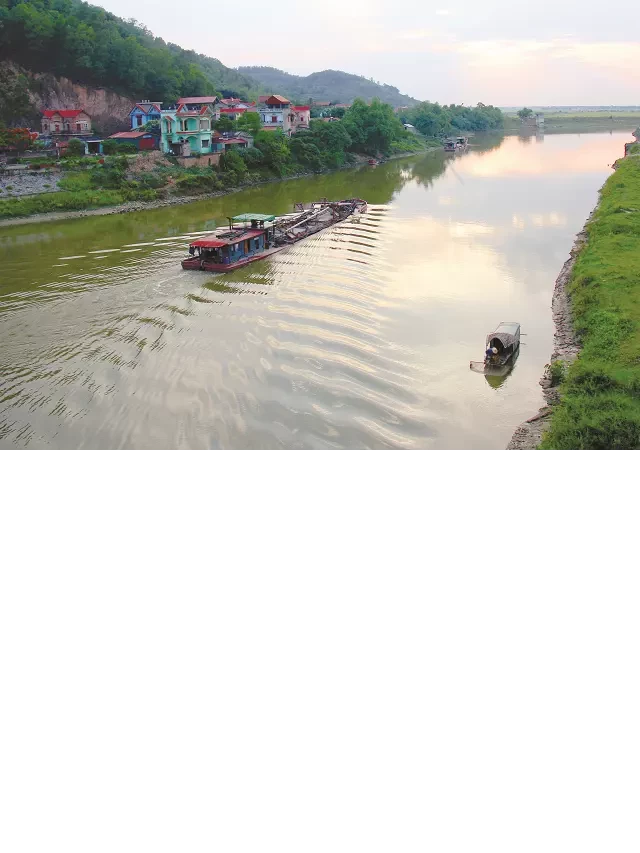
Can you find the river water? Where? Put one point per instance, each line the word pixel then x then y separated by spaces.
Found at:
pixel 358 337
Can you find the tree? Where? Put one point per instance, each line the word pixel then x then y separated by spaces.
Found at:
pixel 372 127
pixel 274 147
pixel 525 113
pixel 75 148
pixel 250 123
pixel 224 125
pixel 152 126
pixel 110 146
pixel 231 161
pixel 306 153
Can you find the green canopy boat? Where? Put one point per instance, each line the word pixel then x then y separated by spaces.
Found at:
pixel 253 217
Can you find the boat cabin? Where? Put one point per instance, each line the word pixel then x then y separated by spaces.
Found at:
pixel 449 145
pixel 505 339
pixel 248 236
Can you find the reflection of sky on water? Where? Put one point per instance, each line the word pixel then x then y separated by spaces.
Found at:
pixel 360 336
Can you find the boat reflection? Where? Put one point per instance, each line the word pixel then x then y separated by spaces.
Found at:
pixel 498 375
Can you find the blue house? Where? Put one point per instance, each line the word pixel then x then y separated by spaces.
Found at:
pixel 143 112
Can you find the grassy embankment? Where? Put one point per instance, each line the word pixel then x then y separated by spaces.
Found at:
pixel 88 184
pixel 600 394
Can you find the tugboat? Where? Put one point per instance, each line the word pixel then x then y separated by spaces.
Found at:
pixel 255 236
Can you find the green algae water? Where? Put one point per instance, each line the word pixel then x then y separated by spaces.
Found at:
pixel 358 337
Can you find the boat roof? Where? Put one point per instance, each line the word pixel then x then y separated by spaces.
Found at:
pixel 216 242
pixel 510 327
pixel 251 217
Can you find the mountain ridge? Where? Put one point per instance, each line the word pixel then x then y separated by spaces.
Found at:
pixel 327 85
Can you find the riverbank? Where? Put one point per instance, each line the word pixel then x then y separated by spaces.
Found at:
pixel 596 405
pixel 170 201
pixel 565 350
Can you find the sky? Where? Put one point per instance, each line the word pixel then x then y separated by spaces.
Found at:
pixel 502 52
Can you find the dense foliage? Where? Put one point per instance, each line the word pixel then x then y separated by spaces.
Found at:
pixel 15 105
pixel 600 406
pixel 432 119
pixel 69 38
pixel 15 139
pixel 366 129
pixel 336 86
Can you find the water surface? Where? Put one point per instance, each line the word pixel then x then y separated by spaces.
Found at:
pixel 359 337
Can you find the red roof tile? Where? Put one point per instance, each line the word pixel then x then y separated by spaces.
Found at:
pixel 205 99
pixel 233 110
pixel 146 107
pixel 277 99
pixel 62 113
pixel 128 134
pixel 300 108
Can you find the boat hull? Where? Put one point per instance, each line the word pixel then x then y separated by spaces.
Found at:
pixel 210 266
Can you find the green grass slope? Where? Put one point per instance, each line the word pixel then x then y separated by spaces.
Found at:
pixel 600 405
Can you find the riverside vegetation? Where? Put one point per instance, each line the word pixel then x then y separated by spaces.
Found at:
pixel 600 393
pixel 365 130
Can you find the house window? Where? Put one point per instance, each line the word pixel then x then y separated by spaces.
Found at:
pixel 274 119
pixel 204 124
pixel 205 143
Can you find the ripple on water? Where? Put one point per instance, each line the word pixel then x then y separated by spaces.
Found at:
pixel 290 352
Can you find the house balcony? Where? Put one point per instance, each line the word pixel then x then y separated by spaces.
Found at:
pixel 58 134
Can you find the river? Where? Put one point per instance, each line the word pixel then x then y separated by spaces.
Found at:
pixel 358 337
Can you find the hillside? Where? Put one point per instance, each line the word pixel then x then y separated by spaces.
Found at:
pixel 336 86
pixel 87 45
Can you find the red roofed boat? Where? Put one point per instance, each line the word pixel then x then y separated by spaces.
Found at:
pixel 255 236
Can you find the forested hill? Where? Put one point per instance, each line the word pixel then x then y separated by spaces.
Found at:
pixel 88 45
pixel 336 86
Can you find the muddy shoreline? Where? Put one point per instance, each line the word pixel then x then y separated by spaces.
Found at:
pixel 134 206
pixel 565 348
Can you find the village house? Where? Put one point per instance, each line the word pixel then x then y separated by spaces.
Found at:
pixel 278 113
pixel 233 113
pixel 143 112
pixel 66 123
pixel 142 140
pixel 186 131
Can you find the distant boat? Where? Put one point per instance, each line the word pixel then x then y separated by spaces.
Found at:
pixel 373 162
pixel 456 143
pixel 255 236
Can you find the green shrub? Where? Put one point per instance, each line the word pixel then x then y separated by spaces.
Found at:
pixel 557 371
pixel 75 148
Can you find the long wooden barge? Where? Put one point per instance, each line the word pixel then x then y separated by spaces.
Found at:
pixel 255 236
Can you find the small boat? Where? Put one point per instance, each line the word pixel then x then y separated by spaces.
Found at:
pixel 373 162
pixel 456 143
pixel 255 236
pixel 502 349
